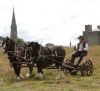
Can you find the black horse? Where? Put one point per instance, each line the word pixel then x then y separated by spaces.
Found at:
pixel 10 50
pixel 15 55
pixel 44 56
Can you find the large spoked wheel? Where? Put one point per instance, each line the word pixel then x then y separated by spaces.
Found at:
pixel 86 68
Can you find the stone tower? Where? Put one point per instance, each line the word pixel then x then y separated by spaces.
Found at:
pixel 13 34
pixel 92 37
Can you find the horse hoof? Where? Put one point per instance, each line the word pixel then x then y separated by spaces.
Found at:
pixel 28 75
pixel 40 78
pixel 18 78
pixel 22 76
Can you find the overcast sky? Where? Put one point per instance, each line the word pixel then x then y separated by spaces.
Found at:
pixel 53 21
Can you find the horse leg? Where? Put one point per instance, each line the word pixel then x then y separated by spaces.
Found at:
pixel 40 73
pixel 58 73
pixel 17 70
pixel 30 70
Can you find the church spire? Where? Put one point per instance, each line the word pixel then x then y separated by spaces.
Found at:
pixel 13 35
pixel 13 17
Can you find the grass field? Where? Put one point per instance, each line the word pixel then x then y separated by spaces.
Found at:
pixel 8 80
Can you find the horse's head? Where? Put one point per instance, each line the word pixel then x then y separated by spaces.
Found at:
pixel 34 45
pixel 34 48
pixel 9 44
pixel 28 52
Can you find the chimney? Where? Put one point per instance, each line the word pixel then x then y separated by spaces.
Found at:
pixel 98 27
pixel 88 28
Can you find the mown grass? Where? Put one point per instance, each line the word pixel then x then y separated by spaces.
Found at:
pixel 8 80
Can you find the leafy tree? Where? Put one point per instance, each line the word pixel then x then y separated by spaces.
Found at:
pixel 20 41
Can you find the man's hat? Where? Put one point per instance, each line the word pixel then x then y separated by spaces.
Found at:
pixel 80 37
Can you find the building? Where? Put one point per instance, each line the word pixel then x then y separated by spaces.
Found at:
pixel 13 34
pixel 92 37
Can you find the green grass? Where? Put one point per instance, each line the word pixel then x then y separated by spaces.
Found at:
pixel 8 80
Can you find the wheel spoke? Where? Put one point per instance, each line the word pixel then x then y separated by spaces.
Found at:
pixel 87 68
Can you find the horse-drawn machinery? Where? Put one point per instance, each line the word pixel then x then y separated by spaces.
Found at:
pixel 85 68
pixel 44 57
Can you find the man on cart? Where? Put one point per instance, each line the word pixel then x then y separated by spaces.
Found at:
pixel 81 50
